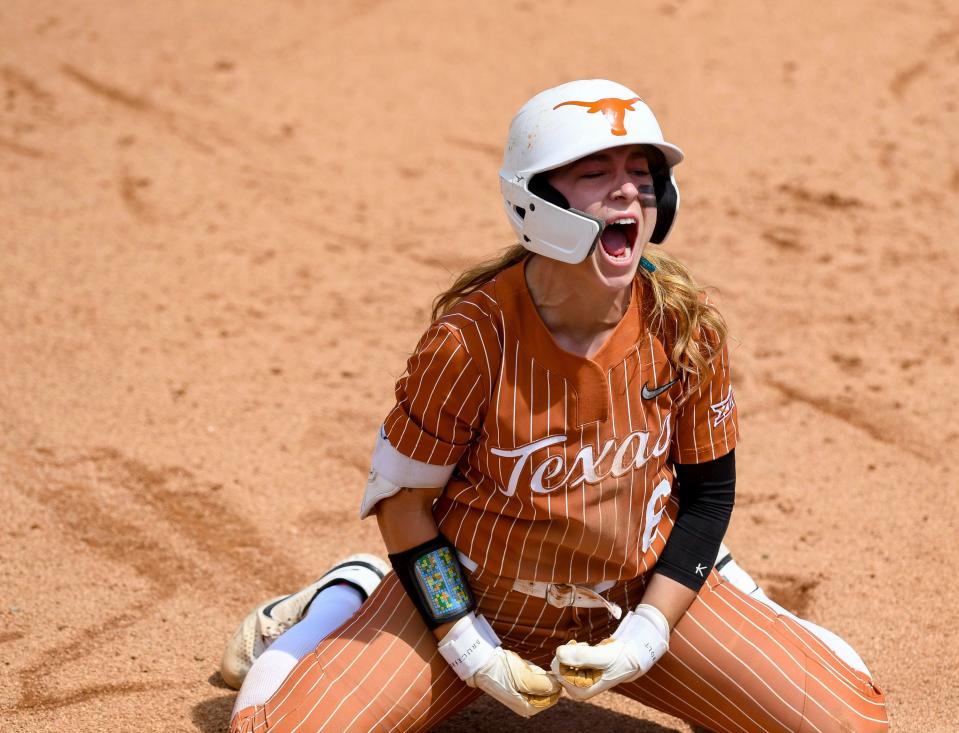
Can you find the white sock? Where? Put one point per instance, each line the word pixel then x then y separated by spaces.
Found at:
pixel 328 610
pixel 743 581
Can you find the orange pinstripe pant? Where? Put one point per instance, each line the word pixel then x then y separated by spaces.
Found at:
pixel 733 665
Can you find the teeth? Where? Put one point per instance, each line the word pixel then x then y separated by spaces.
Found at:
pixel 624 221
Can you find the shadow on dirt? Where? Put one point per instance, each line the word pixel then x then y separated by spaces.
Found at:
pixel 213 715
pixel 483 716
pixel 487 716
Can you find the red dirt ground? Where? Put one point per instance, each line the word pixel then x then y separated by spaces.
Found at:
pixel 223 224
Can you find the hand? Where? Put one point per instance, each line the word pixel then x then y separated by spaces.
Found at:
pixel 639 641
pixel 474 652
pixel 521 686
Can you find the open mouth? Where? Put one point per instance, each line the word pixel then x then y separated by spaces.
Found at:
pixel 619 238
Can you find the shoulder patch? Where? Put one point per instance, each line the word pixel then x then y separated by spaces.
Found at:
pixel 723 409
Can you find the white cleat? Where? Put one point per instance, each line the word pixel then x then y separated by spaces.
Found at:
pixel 265 623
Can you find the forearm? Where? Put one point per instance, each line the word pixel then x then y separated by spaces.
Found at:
pixel 671 598
pixel 707 493
pixel 405 521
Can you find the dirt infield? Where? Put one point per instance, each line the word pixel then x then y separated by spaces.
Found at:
pixel 223 224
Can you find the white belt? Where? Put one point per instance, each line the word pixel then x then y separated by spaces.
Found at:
pixel 561 595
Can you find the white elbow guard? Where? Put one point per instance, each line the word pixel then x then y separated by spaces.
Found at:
pixel 391 471
pixel 377 487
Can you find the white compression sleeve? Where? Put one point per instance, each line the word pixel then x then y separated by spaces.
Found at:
pixel 328 610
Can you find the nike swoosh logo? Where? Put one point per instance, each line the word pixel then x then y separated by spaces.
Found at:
pixel 649 394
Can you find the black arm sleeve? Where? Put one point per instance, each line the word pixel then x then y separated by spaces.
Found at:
pixel 707 492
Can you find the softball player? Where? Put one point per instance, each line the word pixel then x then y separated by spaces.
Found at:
pixel 553 485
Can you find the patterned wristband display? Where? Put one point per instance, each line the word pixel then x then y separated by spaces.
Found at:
pixel 434 581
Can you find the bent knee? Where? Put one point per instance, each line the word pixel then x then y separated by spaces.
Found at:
pixel 243 721
pixel 873 720
pixel 864 726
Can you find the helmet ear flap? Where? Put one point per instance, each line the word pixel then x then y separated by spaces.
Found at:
pixel 667 195
pixel 667 202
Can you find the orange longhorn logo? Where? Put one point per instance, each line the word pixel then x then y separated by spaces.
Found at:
pixel 614 110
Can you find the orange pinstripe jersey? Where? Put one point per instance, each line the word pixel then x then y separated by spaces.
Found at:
pixel 556 467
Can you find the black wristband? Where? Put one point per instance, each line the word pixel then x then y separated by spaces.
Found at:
pixel 433 578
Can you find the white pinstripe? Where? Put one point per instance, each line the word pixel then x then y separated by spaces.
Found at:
pixel 715 689
pixel 532 504
pixel 616 487
pixel 681 712
pixel 436 381
pixel 711 663
pixel 549 496
pixel 582 534
pixel 441 713
pixel 640 554
pixel 513 420
pixel 355 620
pixel 786 677
pixel 442 406
pixel 769 613
pixel 402 696
pixel 359 685
pixel 471 549
pixel 535 624
pixel 632 474
pixel 519 614
pixel 273 702
pixel 330 685
pixel 422 378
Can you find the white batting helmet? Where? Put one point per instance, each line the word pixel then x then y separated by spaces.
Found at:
pixel 563 124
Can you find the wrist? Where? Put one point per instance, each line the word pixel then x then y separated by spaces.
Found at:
pixel 644 632
pixel 432 577
pixel 468 645
pixel 671 598
pixel 655 617
pixel 441 631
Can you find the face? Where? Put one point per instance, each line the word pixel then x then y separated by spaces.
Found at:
pixel 614 186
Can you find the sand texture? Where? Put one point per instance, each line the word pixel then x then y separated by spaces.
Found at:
pixel 222 226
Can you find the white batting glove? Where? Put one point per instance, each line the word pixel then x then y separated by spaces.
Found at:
pixel 474 652
pixel 639 641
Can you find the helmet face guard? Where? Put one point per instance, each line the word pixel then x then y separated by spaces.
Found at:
pixel 561 125
pixel 567 235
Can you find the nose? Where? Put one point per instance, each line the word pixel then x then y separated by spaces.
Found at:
pixel 625 189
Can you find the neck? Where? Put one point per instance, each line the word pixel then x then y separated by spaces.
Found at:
pixel 577 309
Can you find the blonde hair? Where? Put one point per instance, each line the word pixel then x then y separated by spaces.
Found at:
pixel 676 306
